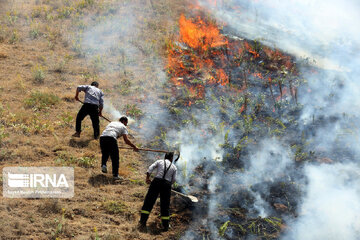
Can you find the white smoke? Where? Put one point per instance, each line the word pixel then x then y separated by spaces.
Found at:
pixel 197 146
pixel 323 31
pixel 327 34
pixel 116 114
pixel 331 208
pixel 268 162
pixel 119 46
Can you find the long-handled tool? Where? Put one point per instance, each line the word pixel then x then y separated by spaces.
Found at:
pixel 146 149
pixel 106 118
pixel 100 116
pixel 193 199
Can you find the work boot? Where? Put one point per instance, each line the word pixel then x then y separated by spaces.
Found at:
pixel 142 227
pixel 165 224
pixel 104 169
pixel 77 134
pixel 143 219
pixel 117 177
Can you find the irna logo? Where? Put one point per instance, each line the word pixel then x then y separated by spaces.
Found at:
pixel 37 180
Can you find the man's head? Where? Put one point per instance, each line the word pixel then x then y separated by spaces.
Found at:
pixel 169 156
pixel 95 84
pixel 124 120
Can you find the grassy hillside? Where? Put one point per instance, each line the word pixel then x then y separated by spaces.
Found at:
pixel 44 55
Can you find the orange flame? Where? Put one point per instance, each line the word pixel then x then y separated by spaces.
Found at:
pixel 242 108
pixel 277 56
pixel 223 79
pixel 258 75
pixel 199 35
pixel 251 50
pixel 202 41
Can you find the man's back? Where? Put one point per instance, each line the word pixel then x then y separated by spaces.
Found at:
pixel 93 95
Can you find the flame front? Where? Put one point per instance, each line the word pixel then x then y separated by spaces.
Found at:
pixel 201 58
pixel 191 58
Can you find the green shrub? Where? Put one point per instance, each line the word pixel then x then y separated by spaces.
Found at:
pixel 98 63
pixel 38 74
pixel 3 134
pixel 66 119
pixel 65 159
pixel 77 47
pixel 14 37
pixel 40 101
pixel 133 111
pixel 36 12
pixel 114 207
pixel 34 32
pixel 86 162
pixel 85 3
pixel 12 17
pixel 65 12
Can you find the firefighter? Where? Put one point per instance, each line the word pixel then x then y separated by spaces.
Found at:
pixel 161 184
pixel 93 105
pixel 109 146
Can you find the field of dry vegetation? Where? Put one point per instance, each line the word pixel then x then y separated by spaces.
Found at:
pixel 43 57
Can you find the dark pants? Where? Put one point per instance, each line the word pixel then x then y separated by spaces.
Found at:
pixel 162 187
pixel 109 147
pixel 93 111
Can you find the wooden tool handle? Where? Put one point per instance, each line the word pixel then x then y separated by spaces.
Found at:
pixel 146 149
pixel 100 116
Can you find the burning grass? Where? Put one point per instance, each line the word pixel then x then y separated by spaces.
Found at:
pixel 243 89
pixel 267 228
pixel 203 59
pixel 239 91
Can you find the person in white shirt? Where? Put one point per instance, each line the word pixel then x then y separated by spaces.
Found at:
pixel 164 178
pixel 93 105
pixel 109 146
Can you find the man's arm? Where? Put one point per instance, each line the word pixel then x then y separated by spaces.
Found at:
pixel 79 89
pixel 150 170
pixel 148 181
pixel 101 104
pixel 173 177
pixel 77 95
pixel 100 110
pixel 128 142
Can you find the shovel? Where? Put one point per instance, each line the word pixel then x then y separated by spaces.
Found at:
pixel 192 199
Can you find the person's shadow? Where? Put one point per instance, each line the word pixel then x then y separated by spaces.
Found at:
pixel 79 143
pixel 154 228
pixel 101 180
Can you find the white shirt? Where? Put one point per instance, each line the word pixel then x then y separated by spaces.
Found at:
pixel 115 130
pixel 159 165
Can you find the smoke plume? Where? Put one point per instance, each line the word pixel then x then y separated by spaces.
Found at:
pixel 322 33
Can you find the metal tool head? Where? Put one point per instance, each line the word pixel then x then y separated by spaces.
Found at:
pixel 176 152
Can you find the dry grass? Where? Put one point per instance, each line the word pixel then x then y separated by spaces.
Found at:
pixel 39 69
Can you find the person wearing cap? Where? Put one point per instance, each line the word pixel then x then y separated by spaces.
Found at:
pixel 109 146
pixel 164 178
pixel 93 105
